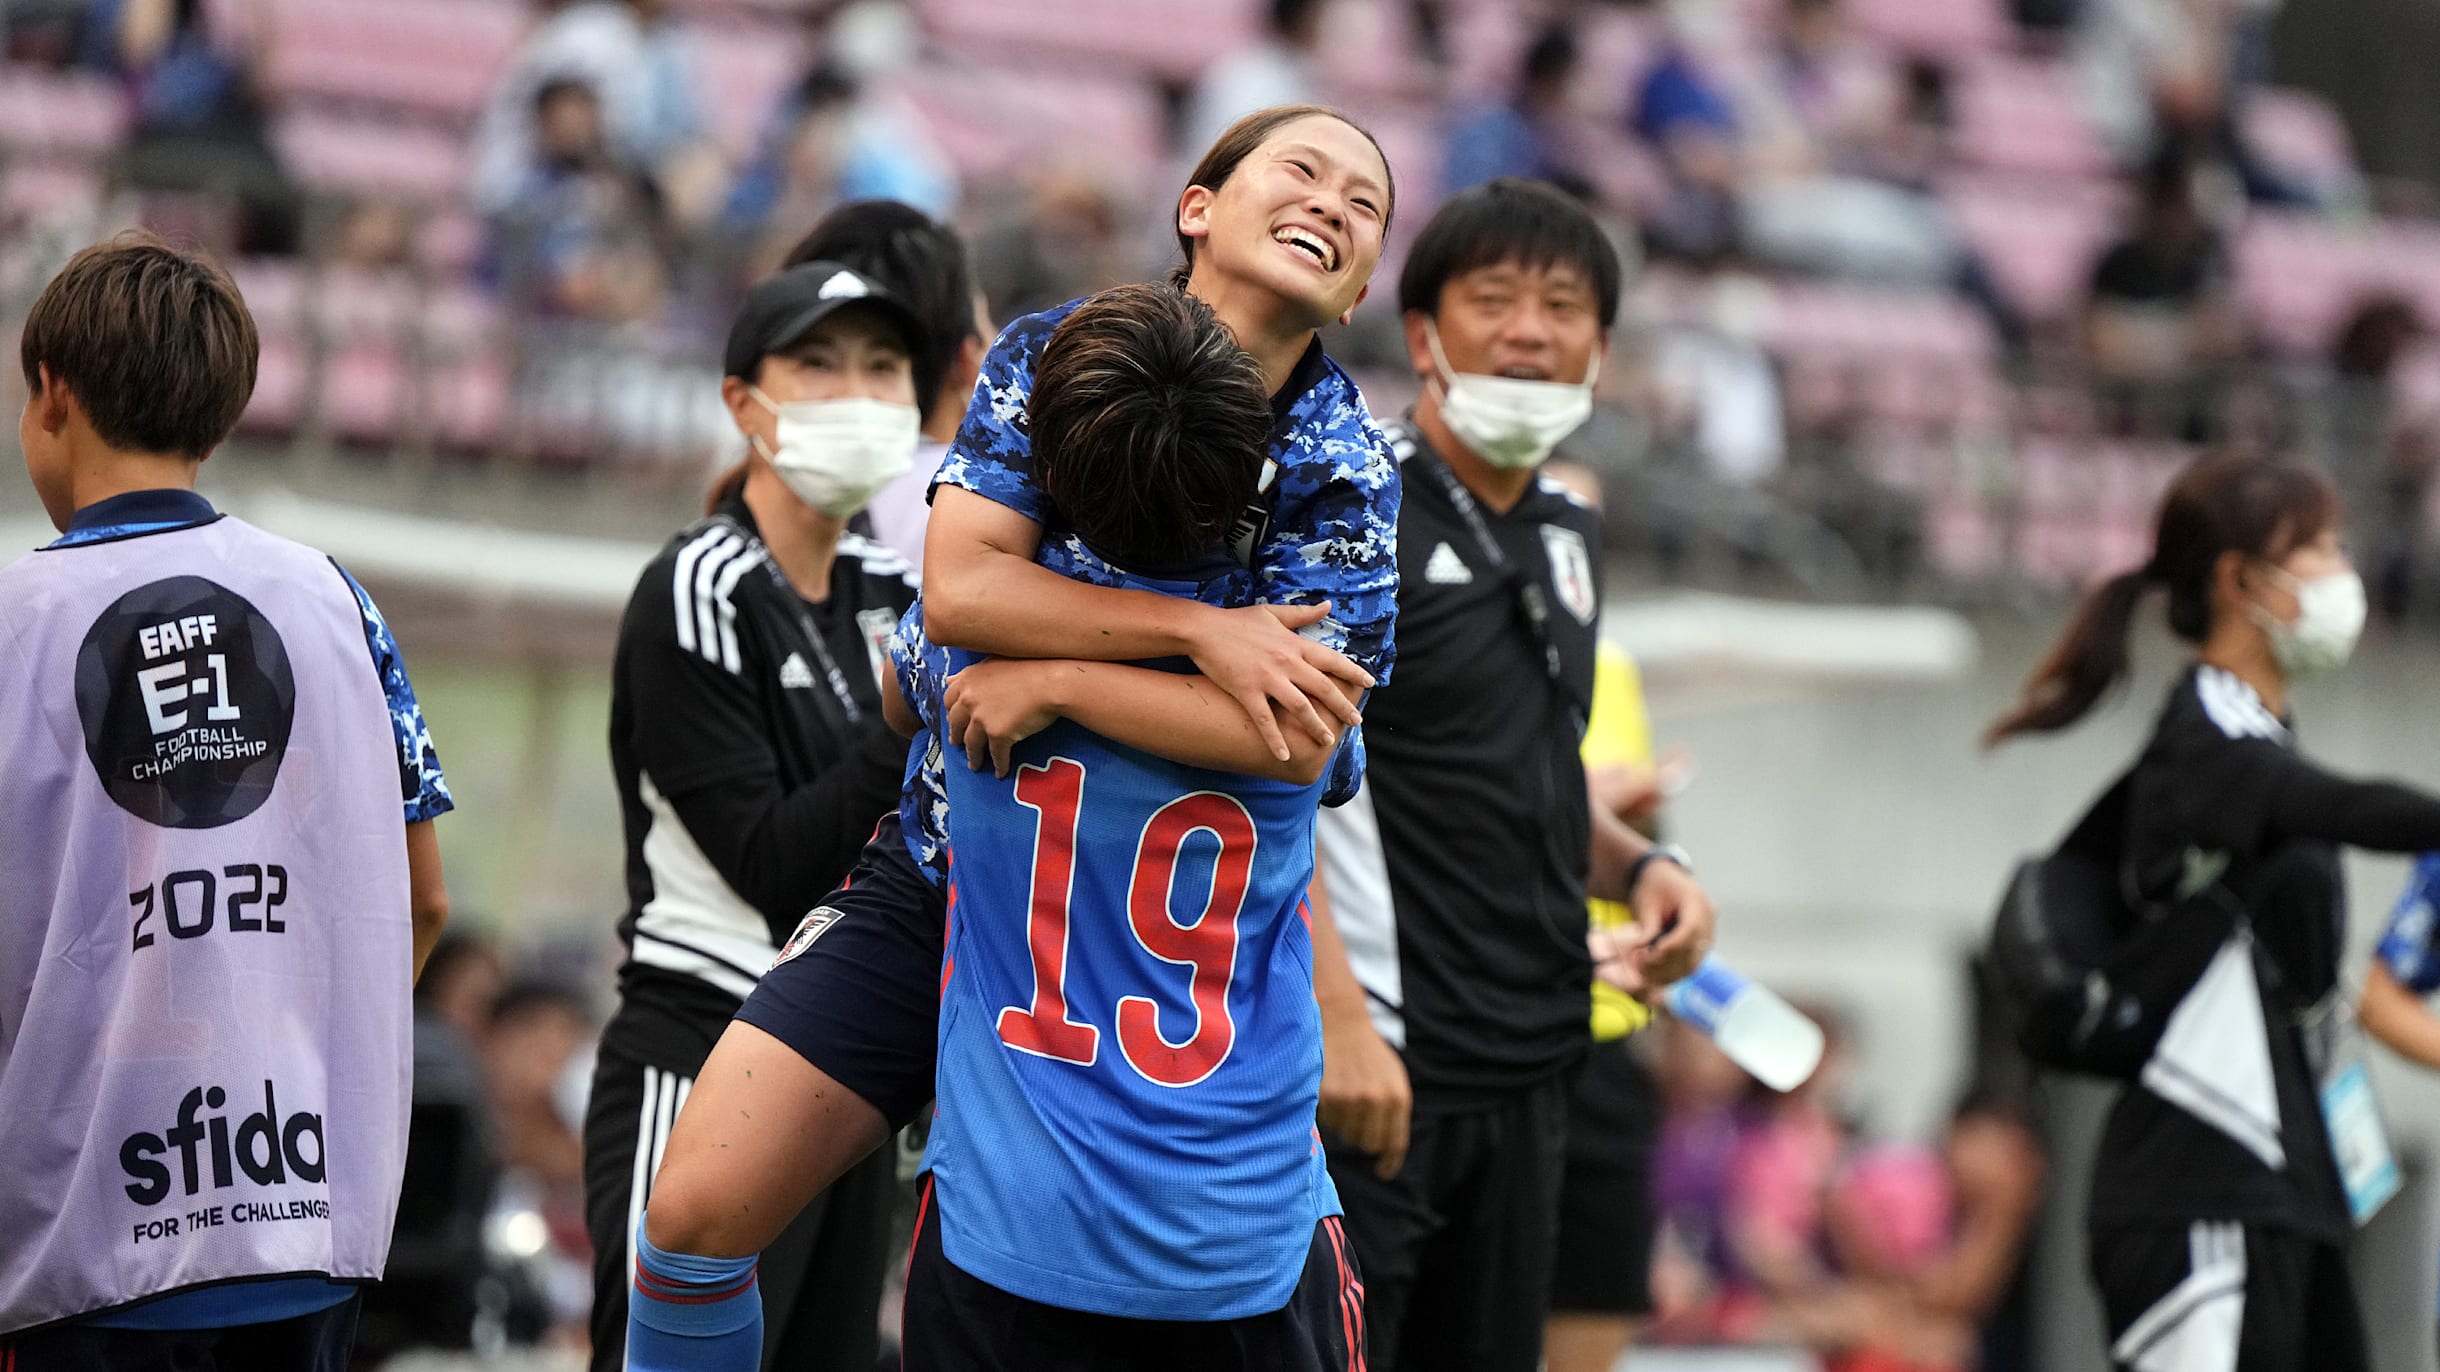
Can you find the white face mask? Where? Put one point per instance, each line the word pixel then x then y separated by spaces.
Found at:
pixel 2330 613
pixel 1508 421
pixel 836 454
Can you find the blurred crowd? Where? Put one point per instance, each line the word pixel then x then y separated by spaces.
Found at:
pixel 1849 325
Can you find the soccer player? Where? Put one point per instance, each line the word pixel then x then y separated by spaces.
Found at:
pixel 1457 878
pixel 752 759
pixel 1123 1170
pixel 216 906
pixel 1282 224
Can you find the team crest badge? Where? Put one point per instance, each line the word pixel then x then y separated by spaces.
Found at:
pixel 878 625
pixel 807 930
pixel 1571 570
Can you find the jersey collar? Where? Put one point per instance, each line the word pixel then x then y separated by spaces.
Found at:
pixel 132 514
pixel 1536 504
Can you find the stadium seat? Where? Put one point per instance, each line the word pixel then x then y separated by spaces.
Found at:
pixel 41 191
pixel 2040 237
pixel 2019 114
pixel 435 57
pixel 1947 28
pixel 370 156
pixel 60 112
pixel 744 69
pixel 2301 134
pixel 994 121
pixel 1170 39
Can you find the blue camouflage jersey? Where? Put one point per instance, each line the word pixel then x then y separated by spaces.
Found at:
pixel 1130 1052
pixel 1332 535
pixel 2408 943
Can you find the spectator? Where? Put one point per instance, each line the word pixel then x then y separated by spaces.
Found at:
pixel 193 68
pixel 830 142
pixel 579 238
pixel 640 69
pixel 1277 69
pixel 1718 391
pixel 1527 135
pixel 2161 326
pixel 1058 239
pixel 2379 451
pixel 536 1059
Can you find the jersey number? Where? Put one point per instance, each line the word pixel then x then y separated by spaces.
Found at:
pixel 1208 945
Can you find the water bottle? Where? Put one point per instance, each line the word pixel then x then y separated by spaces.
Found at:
pixel 1758 1031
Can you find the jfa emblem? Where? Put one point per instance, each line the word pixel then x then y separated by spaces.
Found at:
pixel 1571 570
pixel 810 928
pixel 878 625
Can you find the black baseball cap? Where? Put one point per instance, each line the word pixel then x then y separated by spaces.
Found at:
pixel 784 306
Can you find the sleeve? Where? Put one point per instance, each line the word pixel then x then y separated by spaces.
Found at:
pixel 2384 816
pixel 1334 530
pixel 2406 947
pixel 421 784
pixel 702 743
pixel 993 454
pixel 921 666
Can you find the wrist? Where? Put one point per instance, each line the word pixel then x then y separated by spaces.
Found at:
pixel 1670 853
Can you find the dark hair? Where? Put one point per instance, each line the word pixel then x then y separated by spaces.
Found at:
pixel 1241 140
pixel 1149 425
pixel 1506 220
pixel 528 997
pixel 914 257
pixel 2261 507
pixel 1552 56
pixel 558 86
pixel 155 343
pixel 1287 16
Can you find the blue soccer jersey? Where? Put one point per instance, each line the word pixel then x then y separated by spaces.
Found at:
pixel 1130 1054
pixel 1332 535
pixel 2408 943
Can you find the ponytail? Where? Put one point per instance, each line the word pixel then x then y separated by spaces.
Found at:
pixel 2221 503
pixel 2089 659
pixel 727 484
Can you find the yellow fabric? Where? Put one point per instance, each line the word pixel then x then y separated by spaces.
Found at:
pixel 1619 731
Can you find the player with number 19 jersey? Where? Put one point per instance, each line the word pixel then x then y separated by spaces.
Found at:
pixel 1130 1053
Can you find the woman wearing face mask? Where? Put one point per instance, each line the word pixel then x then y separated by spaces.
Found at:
pixel 752 761
pixel 2219 1209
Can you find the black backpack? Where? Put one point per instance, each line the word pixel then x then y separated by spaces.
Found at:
pixel 2084 979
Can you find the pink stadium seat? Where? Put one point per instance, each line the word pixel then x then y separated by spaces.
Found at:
pixel 1369 51
pixel 1173 39
pixel 2019 114
pixel 46 191
pixel 278 403
pixel 2040 238
pixel 467 401
pixel 1948 27
pixel 994 121
pixel 436 56
pixel 2301 134
pixel 275 292
pixel 58 112
pixel 1964 540
pixel 363 392
pixel 361 156
pixel 744 70
pixel 1615 47
pixel 2055 477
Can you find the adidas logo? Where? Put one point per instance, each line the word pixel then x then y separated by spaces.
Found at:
pixel 1446 568
pixel 795 674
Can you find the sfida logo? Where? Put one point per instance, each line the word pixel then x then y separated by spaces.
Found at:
pixel 269 1150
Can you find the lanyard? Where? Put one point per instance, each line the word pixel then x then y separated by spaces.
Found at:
pixel 1532 604
pixel 821 647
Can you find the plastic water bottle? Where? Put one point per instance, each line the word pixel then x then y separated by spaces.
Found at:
pixel 1758 1031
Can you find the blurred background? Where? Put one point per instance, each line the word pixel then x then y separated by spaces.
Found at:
pixel 1931 297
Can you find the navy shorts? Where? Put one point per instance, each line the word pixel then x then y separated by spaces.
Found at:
pixel 856 991
pixel 958 1323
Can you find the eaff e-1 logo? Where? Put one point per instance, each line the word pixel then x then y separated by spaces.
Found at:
pixel 187 698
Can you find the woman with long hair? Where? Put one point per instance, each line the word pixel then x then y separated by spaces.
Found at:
pixel 2219 1209
pixel 1281 226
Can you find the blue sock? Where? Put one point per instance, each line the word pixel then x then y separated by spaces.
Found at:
pixel 690 1314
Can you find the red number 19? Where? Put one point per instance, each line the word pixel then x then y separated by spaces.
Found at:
pixel 1208 945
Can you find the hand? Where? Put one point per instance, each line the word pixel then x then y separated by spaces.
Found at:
pixel 996 704
pixel 1625 790
pixel 1365 1096
pixel 1255 654
pixel 1676 919
pixel 1619 960
pixel 1997 1164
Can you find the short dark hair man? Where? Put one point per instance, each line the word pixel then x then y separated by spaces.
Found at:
pixel 215 907
pixel 1457 877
